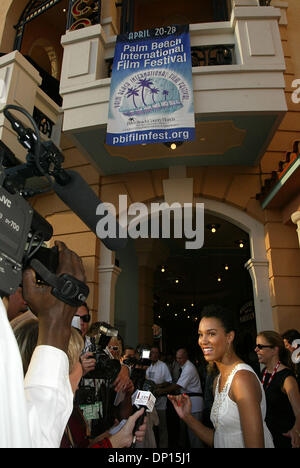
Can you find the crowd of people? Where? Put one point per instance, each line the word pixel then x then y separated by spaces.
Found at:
pixel 76 394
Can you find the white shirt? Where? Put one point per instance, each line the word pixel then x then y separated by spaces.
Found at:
pixel 159 373
pixel 34 413
pixel 189 381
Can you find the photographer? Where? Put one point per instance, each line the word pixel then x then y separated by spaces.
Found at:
pixel 105 390
pixel 35 411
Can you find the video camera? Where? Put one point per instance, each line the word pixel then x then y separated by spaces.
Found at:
pixel 22 230
pixel 142 360
pixel 139 366
pixel 107 367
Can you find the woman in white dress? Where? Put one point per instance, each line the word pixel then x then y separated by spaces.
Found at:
pixel 239 408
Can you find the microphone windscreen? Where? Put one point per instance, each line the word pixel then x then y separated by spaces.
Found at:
pixel 81 199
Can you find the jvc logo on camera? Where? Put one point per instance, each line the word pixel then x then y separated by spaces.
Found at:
pixel 6 201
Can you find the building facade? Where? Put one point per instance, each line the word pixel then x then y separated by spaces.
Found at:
pixel 55 62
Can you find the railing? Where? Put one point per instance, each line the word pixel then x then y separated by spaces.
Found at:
pixel 43 122
pixel 83 14
pixel 50 85
pixel 213 55
pixel 265 2
pixel 201 56
pixel 221 12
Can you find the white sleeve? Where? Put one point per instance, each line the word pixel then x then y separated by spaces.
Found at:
pixel 183 380
pixel 49 396
pixel 167 374
pixel 14 429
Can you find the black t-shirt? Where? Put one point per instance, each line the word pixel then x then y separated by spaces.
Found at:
pixel 280 417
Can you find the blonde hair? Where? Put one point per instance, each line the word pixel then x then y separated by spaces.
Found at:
pixel 26 334
pixel 75 348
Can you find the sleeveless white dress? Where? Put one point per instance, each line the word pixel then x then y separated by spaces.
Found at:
pixel 226 419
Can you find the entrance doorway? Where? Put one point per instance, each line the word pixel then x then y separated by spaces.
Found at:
pixel 192 279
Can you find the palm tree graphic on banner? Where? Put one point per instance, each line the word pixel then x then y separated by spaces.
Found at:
pixel 151 96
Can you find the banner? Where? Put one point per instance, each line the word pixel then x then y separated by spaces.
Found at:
pixel 151 95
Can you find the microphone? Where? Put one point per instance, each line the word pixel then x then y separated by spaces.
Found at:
pixel 81 199
pixel 142 399
pixel 26 135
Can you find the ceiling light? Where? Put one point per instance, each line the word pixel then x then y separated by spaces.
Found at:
pixel 174 144
pixel 177 281
pixel 226 267
pixel 163 269
pixel 219 279
pixel 213 227
pixel 192 305
pixel 241 243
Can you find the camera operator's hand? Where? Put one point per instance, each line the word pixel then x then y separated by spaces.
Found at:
pixel 123 380
pixel 55 316
pixel 124 437
pixel 88 363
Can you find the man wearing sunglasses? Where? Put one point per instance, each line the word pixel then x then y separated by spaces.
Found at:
pixel 87 359
pixel 85 318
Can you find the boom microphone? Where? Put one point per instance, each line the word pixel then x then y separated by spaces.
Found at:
pixel 81 199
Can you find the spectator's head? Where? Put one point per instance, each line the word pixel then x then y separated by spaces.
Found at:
pixel 182 356
pixel 26 334
pixel 85 318
pixel 115 346
pixel 154 354
pixel 16 304
pixel 289 337
pixel 270 346
pixel 75 348
pixel 129 353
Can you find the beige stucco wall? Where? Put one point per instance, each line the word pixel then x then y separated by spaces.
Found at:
pixel 236 186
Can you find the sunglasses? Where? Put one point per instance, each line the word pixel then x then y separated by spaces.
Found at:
pixel 85 318
pixel 261 346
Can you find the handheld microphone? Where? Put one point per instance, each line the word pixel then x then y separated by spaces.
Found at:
pixel 142 399
pixel 81 199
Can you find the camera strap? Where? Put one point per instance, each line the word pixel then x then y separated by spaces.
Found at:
pixel 65 287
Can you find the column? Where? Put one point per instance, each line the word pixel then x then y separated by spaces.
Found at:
pixel 296 220
pixel 108 276
pixel 19 82
pixel 151 253
pixel 259 272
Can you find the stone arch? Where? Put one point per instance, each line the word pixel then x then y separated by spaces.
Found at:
pixel 257 265
pixel 11 10
pixel 50 53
